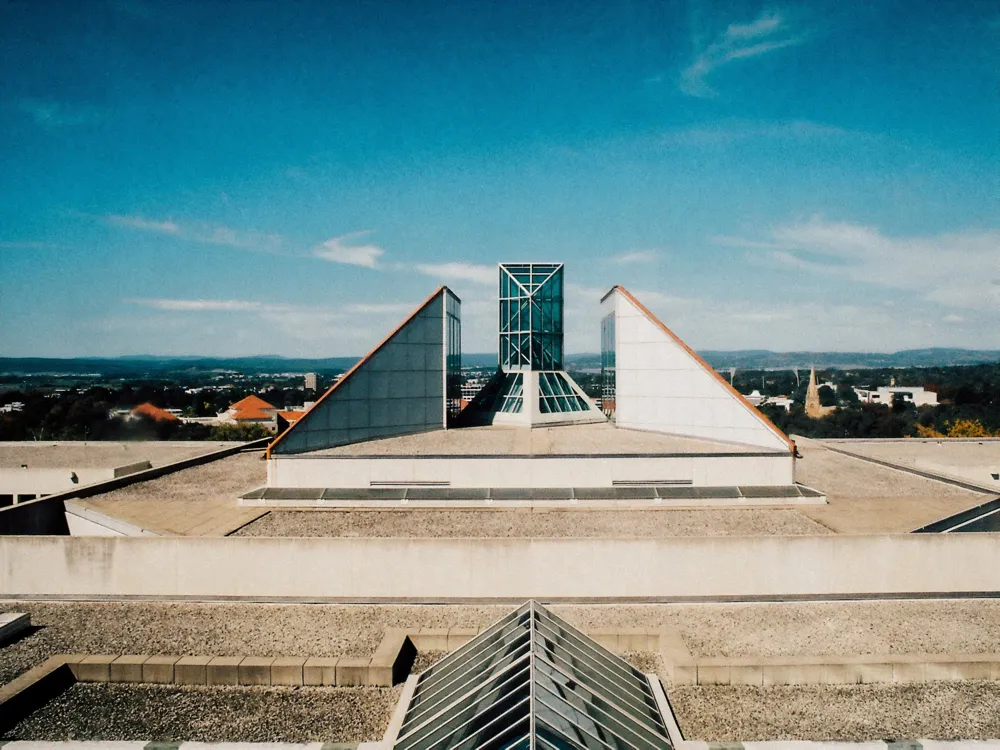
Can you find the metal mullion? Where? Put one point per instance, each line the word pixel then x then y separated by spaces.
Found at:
pixel 481 668
pixel 519 739
pixel 549 745
pixel 576 722
pixel 456 687
pixel 641 719
pixel 531 678
pixel 459 682
pixel 456 657
pixel 575 725
pixel 496 683
pixel 607 711
pixel 599 663
pixel 606 689
pixel 583 644
pixel 623 693
pixel 491 643
pixel 472 718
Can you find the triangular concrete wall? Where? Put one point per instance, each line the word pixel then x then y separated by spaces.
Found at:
pixel 397 389
pixel 662 385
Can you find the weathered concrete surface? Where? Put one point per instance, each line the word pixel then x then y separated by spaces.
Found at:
pixel 864 498
pixel 508 569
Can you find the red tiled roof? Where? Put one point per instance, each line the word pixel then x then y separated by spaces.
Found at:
pixel 291 416
pixel 154 412
pixel 252 408
pixel 251 402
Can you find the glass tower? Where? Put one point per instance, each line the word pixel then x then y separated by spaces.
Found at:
pixel 531 316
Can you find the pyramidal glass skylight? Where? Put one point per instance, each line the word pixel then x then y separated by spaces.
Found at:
pixel 532 681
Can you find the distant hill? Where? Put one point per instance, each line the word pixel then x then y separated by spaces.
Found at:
pixel 762 359
pixel 159 366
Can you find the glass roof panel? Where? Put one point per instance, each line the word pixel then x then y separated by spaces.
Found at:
pixel 532 682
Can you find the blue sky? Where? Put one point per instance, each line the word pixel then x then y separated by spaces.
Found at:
pixel 232 178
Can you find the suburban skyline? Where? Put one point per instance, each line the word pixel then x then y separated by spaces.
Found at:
pixel 237 179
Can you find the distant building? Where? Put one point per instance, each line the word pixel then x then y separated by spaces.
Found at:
pixel 311 381
pixel 153 412
pixel 251 410
pixel 915 395
pixel 815 410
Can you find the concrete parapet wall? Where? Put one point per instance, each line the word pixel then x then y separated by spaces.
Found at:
pixel 829 670
pixel 762 469
pixel 498 569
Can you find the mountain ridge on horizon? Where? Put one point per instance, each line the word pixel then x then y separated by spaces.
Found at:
pixel 740 359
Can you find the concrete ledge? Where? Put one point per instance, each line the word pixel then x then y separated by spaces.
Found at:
pixel 127 669
pixel 32 689
pixel 192 670
pixel 320 670
pixel 13 623
pixel 159 669
pixel 832 670
pixel 223 670
pixel 391 662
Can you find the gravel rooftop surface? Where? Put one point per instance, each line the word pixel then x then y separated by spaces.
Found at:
pixel 864 498
pixel 931 710
pixel 969 460
pixel 533 523
pixel 568 439
pixel 889 627
pixel 226 479
pixel 118 712
pixel 99 455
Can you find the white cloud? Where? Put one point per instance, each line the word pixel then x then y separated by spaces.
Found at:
pixel 206 305
pixel 957 269
pixel 637 256
pixel 770 31
pixel 953 319
pixel 146 225
pixel 478 274
pixel 337 250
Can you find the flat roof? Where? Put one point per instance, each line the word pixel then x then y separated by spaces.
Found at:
pixel 967 460
pixel 100 455
pixel 199 501
pixel 866 498
pixel 580 439
pixel 529 523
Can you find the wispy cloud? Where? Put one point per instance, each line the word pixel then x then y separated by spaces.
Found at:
pixel 478 274
pixel 637 256
pixel 206 233
pixel 726 133
pixel 768 32
pixel 51 114
pixel 958 269
pixel 337 250
pixel 146 225
pixel 206 305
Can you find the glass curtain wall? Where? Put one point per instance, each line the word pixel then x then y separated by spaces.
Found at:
pixel 453 354
pixel 531 316
pixel 608 365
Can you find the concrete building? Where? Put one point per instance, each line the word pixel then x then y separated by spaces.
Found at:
pixel 385 428
pixel 915 395
pixel 587 586
pixel 311 383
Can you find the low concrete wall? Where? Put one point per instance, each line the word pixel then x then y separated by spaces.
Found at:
pixel 760 469
pixel 356 569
